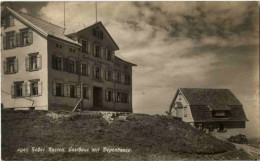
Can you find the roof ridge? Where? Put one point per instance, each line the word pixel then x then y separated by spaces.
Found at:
pixel 38 18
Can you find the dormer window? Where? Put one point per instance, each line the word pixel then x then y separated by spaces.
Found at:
pixel 221 114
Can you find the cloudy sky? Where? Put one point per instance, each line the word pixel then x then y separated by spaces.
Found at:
pixel 176 44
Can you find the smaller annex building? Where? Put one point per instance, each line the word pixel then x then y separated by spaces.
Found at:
pixel 215 111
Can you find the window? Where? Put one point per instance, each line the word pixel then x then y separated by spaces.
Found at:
pixel 34 88
pixel 125 67
pixel 97 72
pixel 25 37
pixel 85 92
pixel 58 46
pixel 108 55
pixel 200 127
pixel 10 65
pixel 185 111
pixel 71 64
pixel 18 89
pixel 221 128
pixel 118 96
pixel 56 62
pixel 124 97
pixel 59 87
pixel 118 77
pixel 97 51
pixel 72 91
pixel 84 69
pixel 33 62
pixel 109 75
pixel 10 39
pixel 109 95
pixel 127 79
pixel 8 21
pixel 221 114
pixel 94 32
pixel 84 46
pixel 72 50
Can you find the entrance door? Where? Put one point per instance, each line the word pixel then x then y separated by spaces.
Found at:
pixel 97 96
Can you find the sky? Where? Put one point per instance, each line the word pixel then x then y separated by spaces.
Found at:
pixel 175 45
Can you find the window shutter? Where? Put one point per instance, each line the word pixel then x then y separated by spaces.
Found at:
pixel 78 91
pixel 102 53
pixel 11 21
pixel 106 95
pixel 65 89
pixel 4 42
pixel 5 67
pixel 39 61
pixel 93 49
pixel 16 65
pixel 65 65
pixel 12 91
pixel 106 54
pixel 28 89
pixel 102 73
pixel 89 45
pixel 21 39
pixel 112 55
pixel 129 98
pixel 18 39
pixel 114 96
pixel 24 89
pixel 40 84
pixel 93 70
pixel 30 34
pixel 54 88
pixel 62 89
pixel 78 69
pixel 89 92
pixel 27 67
pixel 122 78
pixel 15 42
pixel 106 74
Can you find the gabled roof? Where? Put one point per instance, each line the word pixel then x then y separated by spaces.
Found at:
pixel 42 26
pixel 79 29
pixel 119 59
pixel 211 97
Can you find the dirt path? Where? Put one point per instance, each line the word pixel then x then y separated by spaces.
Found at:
pixel 253 151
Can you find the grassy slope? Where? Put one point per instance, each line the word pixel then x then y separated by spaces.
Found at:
pixel 149 137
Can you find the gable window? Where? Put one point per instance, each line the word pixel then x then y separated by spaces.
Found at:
pixel 185 111
pixel 8 21
pixel 84 69
pixel 97 51
pixel 97 33
pixel 72 91
pixel 84 46
pixel 58 46
pixel 97 72
pixel 25 37
pixel 71 64
pixel 109 55
pixel 10 65
pixel 85 92
pixel 10 39
pixel 56 62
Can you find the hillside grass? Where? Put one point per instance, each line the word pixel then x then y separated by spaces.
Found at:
pixel 148 137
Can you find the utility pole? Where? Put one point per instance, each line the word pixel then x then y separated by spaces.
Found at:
pixel 96 11
pixel 64 14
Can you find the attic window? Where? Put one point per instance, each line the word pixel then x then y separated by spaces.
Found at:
pixel 221 114
pixel 8 21
pixel 97 33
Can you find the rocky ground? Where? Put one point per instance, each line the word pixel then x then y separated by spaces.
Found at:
pixel 44 135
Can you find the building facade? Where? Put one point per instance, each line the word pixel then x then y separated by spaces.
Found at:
pixel 46 67
pixel 215 111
